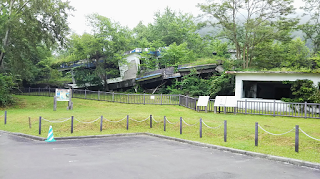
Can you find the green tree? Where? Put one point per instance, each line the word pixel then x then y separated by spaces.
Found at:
pixel 248 23
pixel 105 48
pixel 312 27
pixel 26 23
pixel 175 55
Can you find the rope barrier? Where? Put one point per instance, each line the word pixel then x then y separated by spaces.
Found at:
pixel 171 122
pixel 2 115
pixel 115 121
pixel 275 134
pixel 87 122
pixel 211 127
pixel 58 120
pixel 155 120
pixel 308 135
pixel 189 124
pixel 140 121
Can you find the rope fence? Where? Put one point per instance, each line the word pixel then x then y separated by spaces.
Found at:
pixel 181 121
pixel 309 135
pixel 275 134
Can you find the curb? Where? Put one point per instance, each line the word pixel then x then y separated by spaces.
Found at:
pixel 248 153
pixel 211 146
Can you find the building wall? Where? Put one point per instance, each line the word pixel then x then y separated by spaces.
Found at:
pixel 240 77
pixel 128 70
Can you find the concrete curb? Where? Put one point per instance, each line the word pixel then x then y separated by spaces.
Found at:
pixel 248 153
pixel 243 152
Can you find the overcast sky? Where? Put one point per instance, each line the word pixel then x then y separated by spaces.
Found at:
pixel 128 12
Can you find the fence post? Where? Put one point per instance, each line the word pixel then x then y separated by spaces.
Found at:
pixel 144 98
pixel 85 94
pixel 40 125
pixel 234 110
pixel 71 124
pixel 5 117
pixel 245 106
pixel 127 122
pixel 39 92
pixel 29 123
pixel 179 100
pixel 98 95
pixel 225 131
pixel 101 121
pixel 113 96
pixel 200 127
pixel 164 123
pixel 128 99
pixel 274 108
pixel 49 91
pixel 297 139
pixel 180 125
pixel 72 92
pixel 225 110
pixel 256 135
pixel 161 98
pixel 54 103
pixel 215 109
pixel 305 109
pixel 187 105
pixel 29 91
pixel 150 121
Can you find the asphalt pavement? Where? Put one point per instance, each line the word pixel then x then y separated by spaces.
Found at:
pixel 139 156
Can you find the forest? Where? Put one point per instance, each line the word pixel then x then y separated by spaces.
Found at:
pixel 36 40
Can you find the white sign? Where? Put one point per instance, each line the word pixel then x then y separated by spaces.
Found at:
pixel 151 97
pixel 62 94
pixel 203 101
pixel 226 101
pixel 231 101
pixel 220 101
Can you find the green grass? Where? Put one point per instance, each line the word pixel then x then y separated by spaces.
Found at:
pixel 240 127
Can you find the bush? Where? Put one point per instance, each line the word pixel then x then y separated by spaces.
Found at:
pixel 6 86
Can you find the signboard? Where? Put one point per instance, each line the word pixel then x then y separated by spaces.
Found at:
pixel 62 94
pixel 220 101
pixel 231 101
pixel 203 101
pixel 225 101
pixel 151 97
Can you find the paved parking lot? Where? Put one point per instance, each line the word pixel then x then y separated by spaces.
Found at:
pixel 132 157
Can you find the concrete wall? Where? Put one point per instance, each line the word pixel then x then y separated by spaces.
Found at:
pixel 240 77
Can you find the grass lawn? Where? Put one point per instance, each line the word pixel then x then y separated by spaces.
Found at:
pixel 241 128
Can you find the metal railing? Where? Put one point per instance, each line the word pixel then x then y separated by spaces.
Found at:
pixel 272 108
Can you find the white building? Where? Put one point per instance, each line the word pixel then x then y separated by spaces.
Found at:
pixel 266 84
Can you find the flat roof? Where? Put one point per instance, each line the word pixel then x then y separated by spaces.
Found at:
pixel 267 72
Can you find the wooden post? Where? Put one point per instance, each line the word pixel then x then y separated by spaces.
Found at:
pixel 98 95
pixel 85 94
pixel 29 123
pixel 225 131
pixel 200 127
pixel 274 108
pixel 150 121
pixel 128 99
pixel 180 125
pixel 161 99
pixel 71 124
pixel 49 91
pixel 5 117
pixel 179 100
pixel 127 122
pixel 113 96
pixel 144 98
pixel 40 125
pixel 101 122
pixel 245 106
pixel 256 134
pixel 297 139
pixel 54 103
pixel 305 109
pixel 164 123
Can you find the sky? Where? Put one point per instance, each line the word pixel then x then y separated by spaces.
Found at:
pixel 128 12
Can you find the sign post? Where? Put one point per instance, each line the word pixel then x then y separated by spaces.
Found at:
pixel 203 101
pixel 63 95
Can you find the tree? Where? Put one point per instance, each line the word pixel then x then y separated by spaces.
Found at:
pixel 312 27
pixel 248 23
pixel 26 23
pixel 175 55
pixel 105 47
